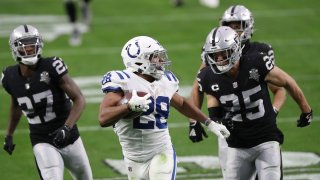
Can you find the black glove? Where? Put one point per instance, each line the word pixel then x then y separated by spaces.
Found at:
pixel 8 144
pixel 305 119
pixel 61 136
pixel 196 132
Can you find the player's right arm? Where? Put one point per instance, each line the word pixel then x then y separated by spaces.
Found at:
pixel 14 119
pixel 110 112
pixel 196 131
pixel 15 114
pixel 197 96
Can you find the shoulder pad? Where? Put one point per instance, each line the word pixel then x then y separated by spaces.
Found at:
pixel 7 75
pixel 114 80
pixel 56 66
pixel 171 77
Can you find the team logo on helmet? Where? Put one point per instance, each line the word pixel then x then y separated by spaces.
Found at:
pixel 136 54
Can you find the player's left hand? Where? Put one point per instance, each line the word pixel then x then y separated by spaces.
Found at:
pixel 8 144
pixel 305 119
pixel 196 131
pixel 61 136
pixel 220 130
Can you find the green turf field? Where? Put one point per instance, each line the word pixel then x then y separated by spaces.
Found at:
pixel 292 27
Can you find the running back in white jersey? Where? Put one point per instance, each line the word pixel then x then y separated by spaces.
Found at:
pixel 147 135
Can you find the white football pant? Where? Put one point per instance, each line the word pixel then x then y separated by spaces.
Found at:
pixel 51 161
pixel 161 167
pixel 265 159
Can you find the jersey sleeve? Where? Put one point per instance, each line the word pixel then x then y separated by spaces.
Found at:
pixel 202 80
pixel 268 50
pixel 114 81
pixel 264 64
pixel 57 68
pixel 5 77
pixel 4 80
pixel 173 80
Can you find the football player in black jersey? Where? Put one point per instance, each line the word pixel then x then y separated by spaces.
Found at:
pixel 236 86
pixel 241 20
pixel 41 89
pixel 71 10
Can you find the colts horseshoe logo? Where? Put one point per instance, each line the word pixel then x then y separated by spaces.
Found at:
pixel 136 54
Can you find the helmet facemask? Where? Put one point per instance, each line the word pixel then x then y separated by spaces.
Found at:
pixel 223 65
pixel 222 49
pixel 159 63
pixel 28 50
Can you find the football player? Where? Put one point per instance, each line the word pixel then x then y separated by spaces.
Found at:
pixel 241 20
pixel 41 89
pixel 236 86
pixel 146 144
pixel 71 10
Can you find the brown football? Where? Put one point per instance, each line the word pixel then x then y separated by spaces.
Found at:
pixel 126 98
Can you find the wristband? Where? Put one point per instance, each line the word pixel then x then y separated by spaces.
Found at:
pixel 275 110
pixel 67 127
pixel 207 121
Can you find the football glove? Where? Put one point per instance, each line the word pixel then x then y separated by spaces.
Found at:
pixel 196 132
pixel 305 119
pixel 220 130
pixel 8 144
pixel 139 104
pixel 61 136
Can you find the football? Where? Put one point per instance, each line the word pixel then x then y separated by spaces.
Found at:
pixel 126 98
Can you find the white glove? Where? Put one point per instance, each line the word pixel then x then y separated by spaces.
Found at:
pixel 139 104
pixel 220 130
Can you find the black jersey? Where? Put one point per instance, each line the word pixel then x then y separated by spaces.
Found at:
pixel 40 98
pixel 258 47
pixel 249 114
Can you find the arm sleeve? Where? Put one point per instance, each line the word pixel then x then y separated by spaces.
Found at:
pixel 57 68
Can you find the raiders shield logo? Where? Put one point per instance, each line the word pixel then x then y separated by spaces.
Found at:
pixel 44 77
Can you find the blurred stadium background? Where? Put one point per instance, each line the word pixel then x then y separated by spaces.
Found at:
pixel 292 27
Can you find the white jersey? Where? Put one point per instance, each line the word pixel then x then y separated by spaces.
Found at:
pixel 145 136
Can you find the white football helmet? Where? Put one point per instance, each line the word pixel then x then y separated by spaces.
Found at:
pixel 223 40
pixel 145 55
pixel 239 13
pixel 26 44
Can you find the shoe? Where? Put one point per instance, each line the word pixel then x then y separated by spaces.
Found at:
pixel 75 38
